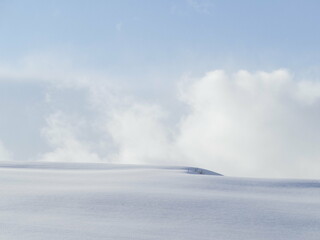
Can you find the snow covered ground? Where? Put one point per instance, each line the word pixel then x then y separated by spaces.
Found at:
pixel 104 201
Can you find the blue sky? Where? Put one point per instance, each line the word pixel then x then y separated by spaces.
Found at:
pixel 66 61
pixel 150 35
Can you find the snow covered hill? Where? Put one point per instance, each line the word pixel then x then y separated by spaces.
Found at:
pixel 106 201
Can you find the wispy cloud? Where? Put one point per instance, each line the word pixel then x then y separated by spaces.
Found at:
pixel 201 6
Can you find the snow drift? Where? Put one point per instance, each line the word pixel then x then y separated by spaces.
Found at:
pixel 103 201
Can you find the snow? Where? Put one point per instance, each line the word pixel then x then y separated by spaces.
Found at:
pixel 108 201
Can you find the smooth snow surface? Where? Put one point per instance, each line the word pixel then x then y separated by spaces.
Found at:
pixel 103 201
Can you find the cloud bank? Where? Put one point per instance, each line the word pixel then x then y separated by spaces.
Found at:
pixel 261 124
pixel 243 124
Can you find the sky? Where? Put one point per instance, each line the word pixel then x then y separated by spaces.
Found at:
pixel 232 86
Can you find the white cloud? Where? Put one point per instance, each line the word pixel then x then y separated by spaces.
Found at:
pixel 53 69
pixel 141 135
pixel 252 124
pixel 308 91
pixel 242 124
pixel 62 134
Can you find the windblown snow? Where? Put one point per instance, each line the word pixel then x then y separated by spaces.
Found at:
pixel 103 201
